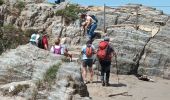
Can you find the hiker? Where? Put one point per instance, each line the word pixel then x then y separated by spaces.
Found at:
pixel 43 41
pixel 105 53
pixel 87 52
pixel 60 49
pixel 34 39
pixel 89 25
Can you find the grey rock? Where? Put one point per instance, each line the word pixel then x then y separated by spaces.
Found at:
pixel 69 83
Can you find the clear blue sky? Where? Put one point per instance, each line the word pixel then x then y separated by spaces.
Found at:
pixel 153 3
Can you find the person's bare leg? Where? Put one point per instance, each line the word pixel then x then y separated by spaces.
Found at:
pixel 91 73
pixel 84 73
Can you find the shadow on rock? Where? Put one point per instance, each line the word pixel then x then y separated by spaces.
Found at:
pixel 118 85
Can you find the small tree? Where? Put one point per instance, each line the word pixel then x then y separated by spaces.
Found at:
pixel 20 5
pixel 70 13
pixel 1 2
pixel 11 37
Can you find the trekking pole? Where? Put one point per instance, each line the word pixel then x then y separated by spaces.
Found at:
pixel 117 72
pixel 97 68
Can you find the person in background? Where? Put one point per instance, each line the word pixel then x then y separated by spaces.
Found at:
pixel 89 25
pixel 60 49
pixel 45 41
pixel 34 39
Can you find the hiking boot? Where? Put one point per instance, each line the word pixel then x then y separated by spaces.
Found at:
pixel 107 84
pixel 85 82
pixel 103 83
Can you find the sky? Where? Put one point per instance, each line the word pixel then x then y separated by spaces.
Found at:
pixel 158 4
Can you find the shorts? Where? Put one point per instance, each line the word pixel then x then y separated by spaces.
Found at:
pixel 87 62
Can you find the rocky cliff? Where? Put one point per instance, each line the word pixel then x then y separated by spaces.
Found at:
pixel 30 73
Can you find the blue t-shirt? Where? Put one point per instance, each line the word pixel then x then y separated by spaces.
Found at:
pixel 83 50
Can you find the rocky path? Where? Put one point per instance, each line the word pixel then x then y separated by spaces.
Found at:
pixel 129 88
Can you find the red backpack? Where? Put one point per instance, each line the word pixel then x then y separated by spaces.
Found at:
pixel 102 50
pixel 89 51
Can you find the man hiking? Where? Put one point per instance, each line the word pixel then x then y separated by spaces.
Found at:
pixel 105 53
pixel 87 52
pixel 89 25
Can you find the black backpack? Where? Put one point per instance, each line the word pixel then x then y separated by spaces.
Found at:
pixel 94 18
pixel 40 42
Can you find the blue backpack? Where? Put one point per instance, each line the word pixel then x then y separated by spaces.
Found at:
pixel 94 18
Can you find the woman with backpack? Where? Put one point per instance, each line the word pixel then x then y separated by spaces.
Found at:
pixel 87 52
pixel 59 49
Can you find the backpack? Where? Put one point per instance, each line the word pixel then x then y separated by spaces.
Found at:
pixel 57 50
pixel 40 42
pixel 102 50
pixel 94 18
pixel 89 51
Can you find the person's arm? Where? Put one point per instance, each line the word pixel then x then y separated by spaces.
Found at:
pixel 82 50
pixel 45 47
pixel 94 51
pixel 113 53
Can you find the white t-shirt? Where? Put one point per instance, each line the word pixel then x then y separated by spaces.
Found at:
pixel 34 38
pixel 89 18
pixel 84 52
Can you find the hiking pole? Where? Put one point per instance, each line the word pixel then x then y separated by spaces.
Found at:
pixel 117 72
pixel 96 59
pixel 97 69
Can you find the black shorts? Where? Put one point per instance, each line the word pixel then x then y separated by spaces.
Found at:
pixel 87 62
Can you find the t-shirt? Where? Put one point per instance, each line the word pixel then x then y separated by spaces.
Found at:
pixel 84 52
pixel 63 48
pixel 89 18
pixel 34 37
pixel 45 41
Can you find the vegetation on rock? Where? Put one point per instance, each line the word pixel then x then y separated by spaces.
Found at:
pixel 1 2
pixel 50 74
pixel 70 13
pixel 11 37
pixel 20 5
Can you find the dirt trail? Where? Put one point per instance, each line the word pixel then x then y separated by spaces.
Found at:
pixel 130 88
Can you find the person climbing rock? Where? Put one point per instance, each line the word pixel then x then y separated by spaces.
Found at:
pixel 87 52
pixel 104 54
pixel 89 24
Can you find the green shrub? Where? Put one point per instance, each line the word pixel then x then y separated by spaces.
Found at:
pixel 70 13
pixel 20 5
pixel 29 32
pixel 1 2
pixel 50 75
pixel 11 37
